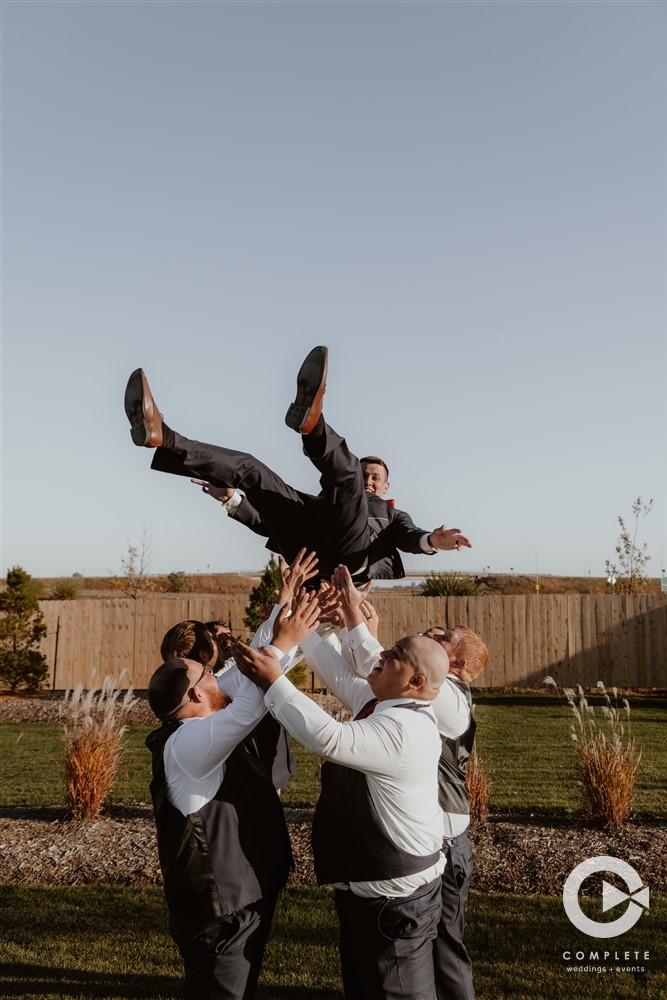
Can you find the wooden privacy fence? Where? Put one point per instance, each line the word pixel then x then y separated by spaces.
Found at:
pixel 580 639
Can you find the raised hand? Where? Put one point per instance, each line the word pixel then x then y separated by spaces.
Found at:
pixel 261 666
pixel 351 599
pixel 446 539
pixel 372 618
pixel 303 567
pixel 291 629
pixel 328 599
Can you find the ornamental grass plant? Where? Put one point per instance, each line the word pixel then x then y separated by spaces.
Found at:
pixel 606 756
pixel 93 724
pixel 479 786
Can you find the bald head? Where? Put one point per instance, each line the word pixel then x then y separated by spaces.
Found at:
pixel 414 667
pixel 169 685
pixel 428 658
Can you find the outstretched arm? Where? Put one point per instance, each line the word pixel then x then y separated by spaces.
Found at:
pixel 404 534
pixel 373 746
pixel 203 744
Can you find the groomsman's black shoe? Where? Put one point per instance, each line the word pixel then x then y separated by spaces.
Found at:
pixel 311 383
pixel 145 419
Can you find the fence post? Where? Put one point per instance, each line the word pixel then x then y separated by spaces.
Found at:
pixel 55 654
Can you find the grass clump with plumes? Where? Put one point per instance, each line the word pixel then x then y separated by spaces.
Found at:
pixel 606 756
pixel 479 787
pixel 93 724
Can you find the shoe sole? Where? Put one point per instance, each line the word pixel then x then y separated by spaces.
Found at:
pixel 138 397
pixel 310 387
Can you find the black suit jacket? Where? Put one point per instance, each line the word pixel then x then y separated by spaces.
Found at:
pixel 391 530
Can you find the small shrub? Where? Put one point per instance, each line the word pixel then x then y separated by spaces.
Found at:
pixel 452 585
pixel 607 759
pixel 93 725
pixel 66 590
pixel 178 583
pixel 479 787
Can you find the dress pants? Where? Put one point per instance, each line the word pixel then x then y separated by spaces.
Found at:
pixel 334 524
pixel 386 944
pixel 453 968
pixel 223 960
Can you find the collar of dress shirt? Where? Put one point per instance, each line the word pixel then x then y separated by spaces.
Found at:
pixel 394 702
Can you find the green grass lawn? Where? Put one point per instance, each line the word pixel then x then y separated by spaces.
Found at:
pixel 103 941
pixel 525 739
pixel 112 942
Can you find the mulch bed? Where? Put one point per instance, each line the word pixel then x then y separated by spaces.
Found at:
pixel 512 854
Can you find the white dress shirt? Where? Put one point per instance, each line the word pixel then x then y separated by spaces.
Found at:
pixel 450 706
pixel 396 749
pixel 194 756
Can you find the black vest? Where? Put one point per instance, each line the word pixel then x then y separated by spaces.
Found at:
pixel 349 842
pixel 229 853
pixel 452 791
pixel 270 743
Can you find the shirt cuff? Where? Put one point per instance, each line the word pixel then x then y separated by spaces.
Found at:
pixel 280 691
pixel 283 657
pixel 233 504
pixel 357 635
pixel 425 545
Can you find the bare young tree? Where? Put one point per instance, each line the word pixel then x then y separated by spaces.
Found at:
pixel 135 581
pixel 628 574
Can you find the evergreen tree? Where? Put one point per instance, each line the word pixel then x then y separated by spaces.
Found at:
pixel 263 597
pixel 22 628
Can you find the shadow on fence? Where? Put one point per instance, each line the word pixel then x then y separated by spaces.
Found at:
pixel 577 639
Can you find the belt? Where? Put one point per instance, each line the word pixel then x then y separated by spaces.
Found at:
pixel 455 841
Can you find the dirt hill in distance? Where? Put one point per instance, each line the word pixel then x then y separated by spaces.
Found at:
pixel 237 583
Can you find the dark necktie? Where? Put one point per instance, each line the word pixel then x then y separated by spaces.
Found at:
pixel 367 710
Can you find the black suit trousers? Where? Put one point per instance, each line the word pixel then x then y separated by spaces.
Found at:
pixel 223 960
pixel 453 968
pixel 386 944
pixel 334 524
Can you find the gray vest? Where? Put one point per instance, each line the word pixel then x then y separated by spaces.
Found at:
pixel 452 791
pixel 349 843
pixel 231 852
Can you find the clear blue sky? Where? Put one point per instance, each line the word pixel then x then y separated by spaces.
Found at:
pixel 465 201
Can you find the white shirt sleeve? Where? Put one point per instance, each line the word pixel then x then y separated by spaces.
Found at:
pixel 200 745
pixel 332 669
pixel 425 545
pixel 373 745
pixel 264 633
pixel 233 504
pixel 230 680
pixel 451 710
pixel 363 647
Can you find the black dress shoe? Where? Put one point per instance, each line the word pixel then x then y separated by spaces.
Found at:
pixel 145 418
pixel 311 384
